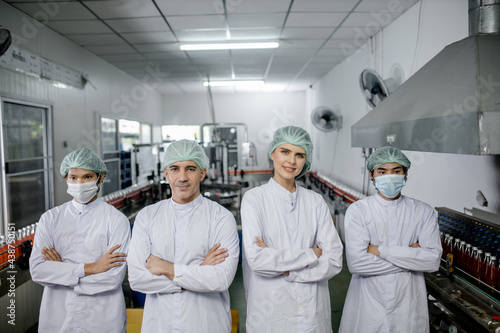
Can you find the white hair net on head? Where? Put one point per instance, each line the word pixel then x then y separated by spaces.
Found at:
pixel 296 136
pixel 386 155
pixel 185 150
pixel 84 158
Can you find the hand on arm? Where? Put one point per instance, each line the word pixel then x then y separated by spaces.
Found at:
pixel 107 261
pixel 215 256
pixel 50 254
pixel 158 266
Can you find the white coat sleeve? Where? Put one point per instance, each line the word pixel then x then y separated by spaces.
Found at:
pixel 112 278
pixel 357 239
pixel 427 257
pixel 267 261
pixel 51 273
pixel 217 278
pixel 140 278
pixel 329 263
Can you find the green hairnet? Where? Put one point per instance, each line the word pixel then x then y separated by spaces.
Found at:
pixel 386 155
pixel 185 150
pixel 296 136
pixel 83 159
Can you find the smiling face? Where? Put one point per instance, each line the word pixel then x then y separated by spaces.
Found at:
pixel 184 178
pixel 288 161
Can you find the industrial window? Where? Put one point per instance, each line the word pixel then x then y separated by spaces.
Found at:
pixel 26 152
pixel 179 132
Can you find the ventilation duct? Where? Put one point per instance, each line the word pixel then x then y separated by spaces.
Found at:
pixel 452 104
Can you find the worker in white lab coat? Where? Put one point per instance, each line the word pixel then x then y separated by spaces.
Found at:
pixel 79 254
pixel 390 240
pixel 184 251
pixel 290 245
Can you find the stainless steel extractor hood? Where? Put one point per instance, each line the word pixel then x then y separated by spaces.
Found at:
pixel 452 104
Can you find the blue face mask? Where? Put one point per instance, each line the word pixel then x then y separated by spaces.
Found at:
pixel 390 185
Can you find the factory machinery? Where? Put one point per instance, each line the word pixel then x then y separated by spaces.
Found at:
pixel 464 293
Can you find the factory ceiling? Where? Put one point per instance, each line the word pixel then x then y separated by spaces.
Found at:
pixel 133 35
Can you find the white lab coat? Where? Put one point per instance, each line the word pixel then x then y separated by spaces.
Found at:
pixel 291 224
pixel 197 300
pixel 73 302
pixel 387 293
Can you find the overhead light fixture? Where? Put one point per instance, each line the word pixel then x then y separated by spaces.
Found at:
pixel 249 83
pixel 229 46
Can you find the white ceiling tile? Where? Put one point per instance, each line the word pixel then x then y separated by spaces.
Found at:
pixel 96 39
pixel 306 33
pixel 395 8
pixel 165 55
pixel 132 64
pixel 122 57
pixel 302 52
pixel 110 49
pixel 321 6
pixel 257 6
pixel 48 11
pixel 157 47
pixel 196 22
pixel 223 54
pixel 122 9
pixel 314 19
pixel 79 27
pixel 262 20
pixel 255 33
pixel 190 7
pixel 200 36
pixel 142 24
pixel 149 37
pixel 300 43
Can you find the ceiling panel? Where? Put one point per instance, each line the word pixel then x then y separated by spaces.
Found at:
pixel 190 7
pixel 79 27
pixel 196 22
pixel 255 33
pixel 315 19
pixel 317 36
pixel 149 37
pixel 122 9
pixel 307 33
pixel 110 49
pixel 262 20
pixel 257 6
pixel 43 10
pixel 321 6
pixel 141 24
pixel 96 39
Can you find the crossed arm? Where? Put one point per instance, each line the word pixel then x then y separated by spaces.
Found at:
pixel 158 266
pixel 109 260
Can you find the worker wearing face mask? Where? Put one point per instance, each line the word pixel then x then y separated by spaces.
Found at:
pixel 79 253
pixel 391 240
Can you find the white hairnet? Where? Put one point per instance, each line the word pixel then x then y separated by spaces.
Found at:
pixel 386 155
pixel 185 150
pixel 84 158
pixel 296 136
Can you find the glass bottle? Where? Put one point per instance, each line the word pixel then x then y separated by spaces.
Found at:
pixel 467 258
pixel 478 264
pixel 491 271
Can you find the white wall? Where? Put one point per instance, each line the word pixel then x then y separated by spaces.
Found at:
pixel 263 113
pixel 449 180
pixel 115 95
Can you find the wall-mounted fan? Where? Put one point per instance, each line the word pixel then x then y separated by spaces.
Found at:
pixel 325 119
pixel 5 40
pixel 375 89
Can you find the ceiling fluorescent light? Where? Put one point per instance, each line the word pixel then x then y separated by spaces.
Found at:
pixel 229 46
pixel 251 83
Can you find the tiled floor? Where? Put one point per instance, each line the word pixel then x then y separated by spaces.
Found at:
pixel 338 289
